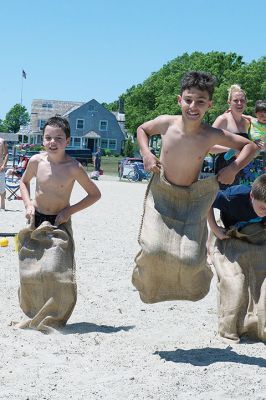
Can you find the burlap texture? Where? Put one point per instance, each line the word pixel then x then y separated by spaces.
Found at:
pixel 47 291
pixel 240 263
pixel 172 262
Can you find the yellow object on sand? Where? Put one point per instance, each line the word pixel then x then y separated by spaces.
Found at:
pixel 3 242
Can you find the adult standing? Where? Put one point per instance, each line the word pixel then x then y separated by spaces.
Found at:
pixel 3 162
pixel 97 159
pixel 233 121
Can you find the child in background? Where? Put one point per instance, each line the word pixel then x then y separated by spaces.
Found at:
pixel 257 131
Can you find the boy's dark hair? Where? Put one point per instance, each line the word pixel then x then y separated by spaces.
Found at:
pixel 58 122
pixel 259 188
pixel 260 105
pixel 199 80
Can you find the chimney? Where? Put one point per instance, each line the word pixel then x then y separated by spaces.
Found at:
pixel 121 106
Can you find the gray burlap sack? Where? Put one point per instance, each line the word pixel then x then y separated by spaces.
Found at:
pixel 47 291
pixel 240 263
pixel 172 262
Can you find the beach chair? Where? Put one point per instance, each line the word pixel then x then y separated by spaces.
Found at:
pixel 13 176
pixel 12 188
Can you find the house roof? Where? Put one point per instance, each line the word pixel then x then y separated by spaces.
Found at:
pixel 9 137
pixel 92 135
pixel 72 109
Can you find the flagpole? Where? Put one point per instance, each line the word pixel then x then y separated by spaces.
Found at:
pixel 21 87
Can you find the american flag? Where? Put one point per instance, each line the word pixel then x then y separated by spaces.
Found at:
pixel 24 74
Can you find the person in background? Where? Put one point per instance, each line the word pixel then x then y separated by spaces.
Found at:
pixel 3 163
pixel 232 121
pixel 97 159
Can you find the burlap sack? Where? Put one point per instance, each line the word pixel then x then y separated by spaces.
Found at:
pixel 172 262
pixel 240 263
pixel 47 292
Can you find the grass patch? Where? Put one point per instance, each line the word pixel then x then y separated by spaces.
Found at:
pixel 108 164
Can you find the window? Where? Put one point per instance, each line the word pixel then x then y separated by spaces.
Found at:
pixel 103 125
pixel 104 144
pixel 80 124
pixel 39 139
pixel 91 107
pixel 112 144
pixel 77 142
pixel 41 123
pixel 47 105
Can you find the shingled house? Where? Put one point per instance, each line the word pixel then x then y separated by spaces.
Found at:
pixel 91 124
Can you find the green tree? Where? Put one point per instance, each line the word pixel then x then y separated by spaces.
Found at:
pixel 157 95
pixel 17 116
pixel 3 127
pixel 129 148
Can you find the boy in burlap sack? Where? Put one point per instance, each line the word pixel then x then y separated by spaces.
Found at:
pixel 238 254
pixel 172 262
pixel 47 290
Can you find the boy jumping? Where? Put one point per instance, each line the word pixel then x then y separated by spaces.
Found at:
pixel 173 235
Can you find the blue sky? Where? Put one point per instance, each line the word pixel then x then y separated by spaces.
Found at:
pixel 84 49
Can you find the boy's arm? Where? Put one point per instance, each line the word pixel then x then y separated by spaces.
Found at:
pixel 5 154
pixel 29 173
pixel 157 126
pixel 247 150
pixel 219 231
pixel 93 195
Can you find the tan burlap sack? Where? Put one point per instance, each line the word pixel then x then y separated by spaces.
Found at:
pixel 240 263
pixel 172 262
pixel 47 292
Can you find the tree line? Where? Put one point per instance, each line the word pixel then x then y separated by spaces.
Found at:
pixel 157 95
pixel 17 116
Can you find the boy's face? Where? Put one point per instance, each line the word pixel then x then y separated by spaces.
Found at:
pixel 258 206
pixel 261 116
pixel 237 102
pixel 54 139
pixel 194 103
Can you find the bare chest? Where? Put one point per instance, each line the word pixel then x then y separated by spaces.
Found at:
pixel 54 177
pixel 234 126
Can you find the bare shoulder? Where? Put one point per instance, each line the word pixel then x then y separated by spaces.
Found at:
pixel 75 166
pixel 221 121
pixel 36 158
pixel 158 125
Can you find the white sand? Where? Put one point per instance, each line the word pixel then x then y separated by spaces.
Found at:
pixel 114 346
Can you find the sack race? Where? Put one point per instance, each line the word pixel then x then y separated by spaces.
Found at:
pixel 240 263
pixel 172 263
pixel 47 291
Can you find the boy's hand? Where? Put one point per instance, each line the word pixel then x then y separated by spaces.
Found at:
pixel 63 216
pixel 260 143
pixel 220 233
pixel 227 175
pixel 30 211
pixel 151 163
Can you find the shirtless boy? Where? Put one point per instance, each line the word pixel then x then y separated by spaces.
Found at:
pixel 172 262
pixel 186 139
pixel 3 162
pixel 56 173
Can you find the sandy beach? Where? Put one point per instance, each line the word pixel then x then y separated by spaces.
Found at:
pixel 114 346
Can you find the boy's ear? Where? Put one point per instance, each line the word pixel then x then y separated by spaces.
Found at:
pixel 68 141
pixel 210 104
pixel 179 98
pixel 251 195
